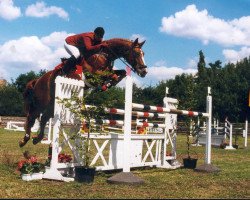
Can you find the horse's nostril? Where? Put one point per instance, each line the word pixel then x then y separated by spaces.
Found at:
pixel 143 74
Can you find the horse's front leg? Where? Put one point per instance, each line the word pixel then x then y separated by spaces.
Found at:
pixel 117 76
pixel 44 119
pixel 110 79
pixel 30 121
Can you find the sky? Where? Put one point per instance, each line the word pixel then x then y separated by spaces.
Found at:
pixel 32 32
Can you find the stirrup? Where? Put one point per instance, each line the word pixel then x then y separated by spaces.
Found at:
pixel 63 73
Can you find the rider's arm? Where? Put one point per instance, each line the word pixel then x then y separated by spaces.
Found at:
pixel 90 47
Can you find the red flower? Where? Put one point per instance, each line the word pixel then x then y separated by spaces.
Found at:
pixel 63 158
pixel 21 163
pixel 33 159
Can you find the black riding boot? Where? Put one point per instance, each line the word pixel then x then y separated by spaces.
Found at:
pixel 70 65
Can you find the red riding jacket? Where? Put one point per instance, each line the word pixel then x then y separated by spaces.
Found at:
pixel 85 42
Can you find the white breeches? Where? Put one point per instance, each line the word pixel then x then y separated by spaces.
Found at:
pixel 72 50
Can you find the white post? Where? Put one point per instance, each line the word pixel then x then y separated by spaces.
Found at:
pixel 50 128
pixel 246 131
pixel 170 123
pixel 230 146
pixel 231 136
pixel 209 124
pixel 57 124
pixel 52 172
pixel 127 123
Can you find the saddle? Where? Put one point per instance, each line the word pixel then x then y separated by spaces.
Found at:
pixel 108 81
pixel 77 70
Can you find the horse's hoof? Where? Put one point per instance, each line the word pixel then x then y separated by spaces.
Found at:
pixel 22 143
pixel 36 140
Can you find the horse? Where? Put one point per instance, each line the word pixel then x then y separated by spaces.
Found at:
pixel 39 94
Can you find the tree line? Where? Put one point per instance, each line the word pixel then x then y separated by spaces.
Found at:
pixel 229 88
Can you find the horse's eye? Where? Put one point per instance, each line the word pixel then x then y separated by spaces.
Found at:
pixel 137 54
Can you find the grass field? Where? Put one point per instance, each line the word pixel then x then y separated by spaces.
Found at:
pixel 233 181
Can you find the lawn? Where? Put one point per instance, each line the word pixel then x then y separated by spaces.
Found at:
pixel 233 181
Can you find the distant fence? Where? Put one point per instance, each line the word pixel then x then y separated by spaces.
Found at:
pixel 181 127
pixel 5 119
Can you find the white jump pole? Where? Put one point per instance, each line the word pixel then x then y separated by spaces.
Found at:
pixel 209 125
pixel 208 167
pixel 127 177
pixel 127 123
pixel 246 132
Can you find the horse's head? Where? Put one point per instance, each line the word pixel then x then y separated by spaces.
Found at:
pixel 135 58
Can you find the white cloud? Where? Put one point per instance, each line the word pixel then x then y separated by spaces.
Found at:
pixel 158 73
pixel 165 73
pixel 192 23
pixel 233 56
pixel 138 81
pixel 41 10
pixel 160 63
pixel 8 11
pixel 31 53
pixel 192 63
pixel 3 72
pixel 161 72
pixel 55 39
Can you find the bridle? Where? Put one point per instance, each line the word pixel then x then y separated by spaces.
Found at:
pixel 129 52
pixel 132 55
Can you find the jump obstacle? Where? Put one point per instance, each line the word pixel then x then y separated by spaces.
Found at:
pixel 220 134
pixel 19 126
pixel 125 151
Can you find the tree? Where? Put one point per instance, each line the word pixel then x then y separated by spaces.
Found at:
pixel 23 79
pixel 11 101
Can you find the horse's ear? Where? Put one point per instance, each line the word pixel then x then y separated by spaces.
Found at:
pixel 142 43
pixel 135 42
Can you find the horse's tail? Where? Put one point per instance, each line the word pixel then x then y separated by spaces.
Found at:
pixel 28 95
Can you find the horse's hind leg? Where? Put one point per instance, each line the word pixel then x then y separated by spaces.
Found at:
pixel 30 121
pixel 44 119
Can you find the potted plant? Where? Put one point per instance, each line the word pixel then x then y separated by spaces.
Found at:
pixel 84 172
pixel 30 168
pixel 190 162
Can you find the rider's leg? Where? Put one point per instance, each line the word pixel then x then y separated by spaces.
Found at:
pixel 71 62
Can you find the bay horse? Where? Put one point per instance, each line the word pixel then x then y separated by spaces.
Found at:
pixel 39 95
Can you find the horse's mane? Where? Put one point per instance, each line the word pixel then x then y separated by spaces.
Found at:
pixel 119 40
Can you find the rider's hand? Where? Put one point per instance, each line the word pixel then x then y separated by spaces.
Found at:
pixel 104 45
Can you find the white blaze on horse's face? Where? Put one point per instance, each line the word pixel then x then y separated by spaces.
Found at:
pixel 141 64
pixel 142 57
pixel 143 60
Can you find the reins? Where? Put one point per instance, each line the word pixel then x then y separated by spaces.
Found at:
pixel 124 62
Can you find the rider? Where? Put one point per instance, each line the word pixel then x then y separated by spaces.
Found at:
pixel 85 44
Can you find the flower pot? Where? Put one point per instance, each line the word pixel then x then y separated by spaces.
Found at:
pixel 26 177
pixel 37 176
pixel 33 176
pixel 84 174
pixel 190 163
